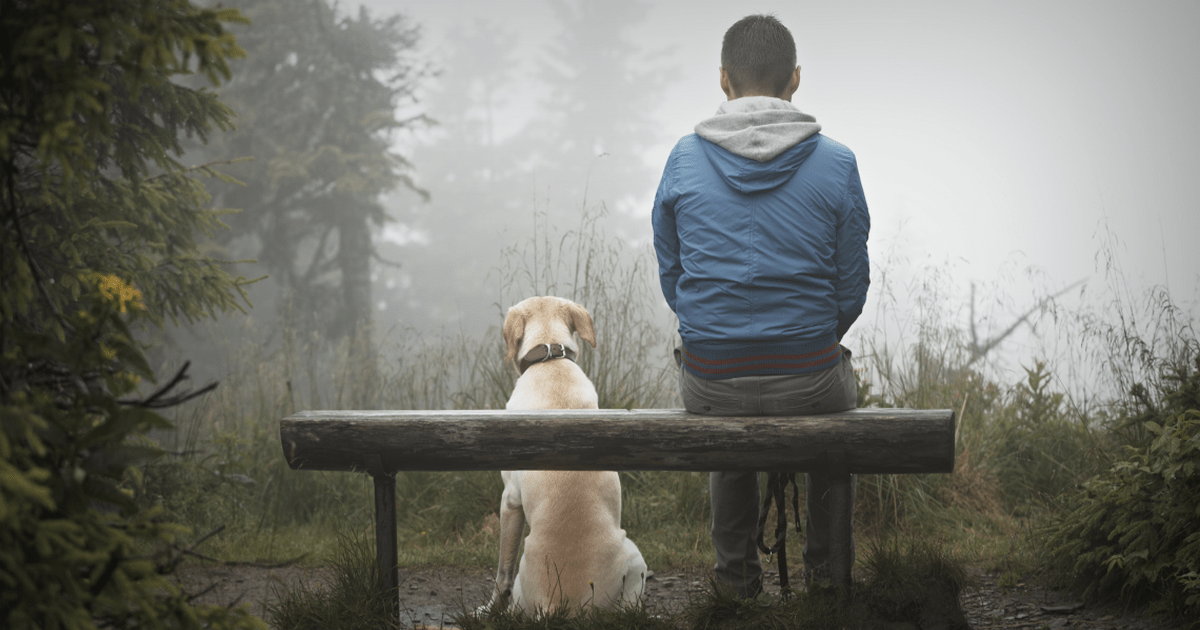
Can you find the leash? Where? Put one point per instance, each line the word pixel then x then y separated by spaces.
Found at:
pixel 545 352
pixel 777 483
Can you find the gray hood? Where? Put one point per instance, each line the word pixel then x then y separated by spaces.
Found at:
pixel 757 127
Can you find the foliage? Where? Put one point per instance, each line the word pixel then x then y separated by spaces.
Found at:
pixel 317 102
pixel 101 230
pixel 1133 531
pixel 88 181
pixel 1038 450
pixel 72 541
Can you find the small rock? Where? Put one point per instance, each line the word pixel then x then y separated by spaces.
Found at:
pixel 1058 623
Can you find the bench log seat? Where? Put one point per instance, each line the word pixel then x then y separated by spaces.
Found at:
pixel 381 443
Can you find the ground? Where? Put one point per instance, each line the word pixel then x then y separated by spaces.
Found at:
pixel 431 595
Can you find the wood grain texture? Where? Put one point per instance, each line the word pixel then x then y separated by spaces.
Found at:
pixel 872 440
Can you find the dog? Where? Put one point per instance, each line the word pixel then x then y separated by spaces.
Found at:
pixel 576 553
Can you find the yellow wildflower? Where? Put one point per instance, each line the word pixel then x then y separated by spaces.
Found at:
pixel 115 289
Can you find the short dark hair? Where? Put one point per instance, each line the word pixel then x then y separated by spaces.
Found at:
pixel 759 55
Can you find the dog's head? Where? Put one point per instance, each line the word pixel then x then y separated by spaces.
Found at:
pixel 538 320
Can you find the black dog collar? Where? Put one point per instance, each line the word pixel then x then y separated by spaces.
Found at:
pixel 545 352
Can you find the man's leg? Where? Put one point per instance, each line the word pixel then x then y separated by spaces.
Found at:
pixel 734 495
pixel 840 393
pixel 828 391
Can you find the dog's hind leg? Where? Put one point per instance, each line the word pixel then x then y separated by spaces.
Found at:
pixel 635 574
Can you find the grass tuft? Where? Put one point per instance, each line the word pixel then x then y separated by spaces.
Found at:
pixel 353 600
pixel 913 579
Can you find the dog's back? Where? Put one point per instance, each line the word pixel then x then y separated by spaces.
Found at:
pixel 553 385
pixel 578 554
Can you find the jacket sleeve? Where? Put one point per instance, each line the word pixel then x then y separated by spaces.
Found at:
pixel 666 238
pixel 853 266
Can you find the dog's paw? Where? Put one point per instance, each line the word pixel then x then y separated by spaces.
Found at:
pixel 500 601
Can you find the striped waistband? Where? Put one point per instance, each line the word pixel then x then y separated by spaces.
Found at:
pixel 732 363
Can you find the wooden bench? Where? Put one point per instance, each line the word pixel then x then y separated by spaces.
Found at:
pixel 382 443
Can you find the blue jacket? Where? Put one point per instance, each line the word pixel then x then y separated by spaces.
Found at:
pixel 764 262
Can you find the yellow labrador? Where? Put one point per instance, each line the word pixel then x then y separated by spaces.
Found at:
pixel 576 552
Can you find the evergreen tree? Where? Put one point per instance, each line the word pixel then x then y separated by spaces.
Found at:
pixel 477 191
pixel 101 223
pixel 583 145
pixel 598 121
pixel 316 102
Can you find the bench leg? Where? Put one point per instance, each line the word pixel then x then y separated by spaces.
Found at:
pixel 385 537
pixel 841 519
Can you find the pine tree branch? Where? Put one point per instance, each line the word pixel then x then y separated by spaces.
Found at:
pixel 34 267
pixel 156 400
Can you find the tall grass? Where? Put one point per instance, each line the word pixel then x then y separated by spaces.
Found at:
pixel 632 363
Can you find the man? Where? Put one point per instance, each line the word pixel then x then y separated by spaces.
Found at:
pixel 760 226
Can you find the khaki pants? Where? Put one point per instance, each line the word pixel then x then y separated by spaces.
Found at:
pixel 735 495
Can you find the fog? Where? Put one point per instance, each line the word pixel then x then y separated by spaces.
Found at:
pixel 1020 147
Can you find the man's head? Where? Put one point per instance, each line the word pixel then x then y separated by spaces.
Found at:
pixel 758 58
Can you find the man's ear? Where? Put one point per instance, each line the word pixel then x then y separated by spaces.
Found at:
pixel 793 85
pixel 725 85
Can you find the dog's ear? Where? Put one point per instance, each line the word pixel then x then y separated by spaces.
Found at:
pixel 581 322
pixel 514 330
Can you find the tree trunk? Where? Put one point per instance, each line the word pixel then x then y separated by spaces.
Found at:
pixel 354 259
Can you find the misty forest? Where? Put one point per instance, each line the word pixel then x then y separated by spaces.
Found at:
pixel 216 217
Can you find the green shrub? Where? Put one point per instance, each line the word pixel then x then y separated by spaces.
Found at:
pixel 1134 530
pixel 1037 449
pixel 75 549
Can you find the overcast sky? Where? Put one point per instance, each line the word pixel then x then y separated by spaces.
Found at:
pixel 1000 140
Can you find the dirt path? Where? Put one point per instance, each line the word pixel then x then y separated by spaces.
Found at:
pixel 431 595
